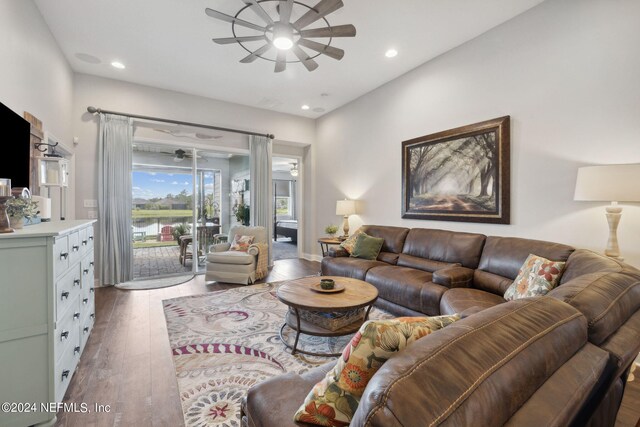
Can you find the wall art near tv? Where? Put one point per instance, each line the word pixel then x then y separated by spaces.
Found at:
pixel 460 174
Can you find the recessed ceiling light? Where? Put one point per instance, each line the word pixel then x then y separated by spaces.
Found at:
pixel 118 65
pixel 305 107
pixel 391 53
pixel 87 58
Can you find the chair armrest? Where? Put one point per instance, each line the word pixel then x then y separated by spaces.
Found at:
pixel 337 252
pixel 453 277
pixel 253 250
pixel 220 247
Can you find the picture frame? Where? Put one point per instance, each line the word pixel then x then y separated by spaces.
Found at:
pixel 460 174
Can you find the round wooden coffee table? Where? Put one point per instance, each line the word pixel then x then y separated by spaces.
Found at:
pixel 298 295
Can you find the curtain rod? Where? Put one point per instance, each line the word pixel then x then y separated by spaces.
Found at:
pixel 94 110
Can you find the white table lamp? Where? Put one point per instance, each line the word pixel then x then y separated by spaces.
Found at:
pixel 345 208
pixel 609 183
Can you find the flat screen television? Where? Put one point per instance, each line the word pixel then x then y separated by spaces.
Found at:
pixel 14 142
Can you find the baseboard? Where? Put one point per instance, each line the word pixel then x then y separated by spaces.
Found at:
pixel 312 257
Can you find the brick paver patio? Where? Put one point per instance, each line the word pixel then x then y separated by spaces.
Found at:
pixel 161 261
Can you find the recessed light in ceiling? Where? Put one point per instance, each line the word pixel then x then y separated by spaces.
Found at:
pixel 118 65
pixel 391 53
pixel 85 57
pixel 305 107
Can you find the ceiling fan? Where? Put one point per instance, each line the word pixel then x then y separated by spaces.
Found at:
pixel 279 32
pixel 179 155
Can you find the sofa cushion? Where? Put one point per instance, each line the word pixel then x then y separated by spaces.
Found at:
pixel 367 247
pixel 449 247
pixel 458 300
pixel 423 264
pixel 479 370
pixel 334 399
pixel 270 404
pixel 407 287
pixel 394 237
pixel 503 256
pixel 231 257
pixel 536 277
pixel 584 261
pixel 607 299
pixel 490 282
pixel 347 267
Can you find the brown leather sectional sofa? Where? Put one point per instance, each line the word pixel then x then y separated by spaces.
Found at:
pixel 562 359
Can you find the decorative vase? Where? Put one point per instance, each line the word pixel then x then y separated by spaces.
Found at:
pixel 16 223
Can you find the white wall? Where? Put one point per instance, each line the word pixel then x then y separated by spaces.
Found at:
pixel 566 72
pixel 34 74
pixel 132 98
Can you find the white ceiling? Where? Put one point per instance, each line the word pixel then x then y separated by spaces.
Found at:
pixel 167 44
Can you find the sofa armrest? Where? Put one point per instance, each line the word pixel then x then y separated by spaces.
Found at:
pixel 453 277
pixel 220 247
pixel 337 252
pixel 253 250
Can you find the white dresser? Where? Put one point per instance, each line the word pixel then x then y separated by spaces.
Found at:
pixel 47 312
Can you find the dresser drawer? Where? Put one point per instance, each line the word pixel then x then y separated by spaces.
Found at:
pixel 67 289
pixel 74 247
pixel 87 327
pixel 88 271
pixel 60 255
pixel 64 368
pixel 67 332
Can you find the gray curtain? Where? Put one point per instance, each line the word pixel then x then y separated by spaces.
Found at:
pixel 261 187
pixel 114 199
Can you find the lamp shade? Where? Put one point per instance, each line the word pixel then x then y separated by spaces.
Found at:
pixel 346 207
pixel 608 183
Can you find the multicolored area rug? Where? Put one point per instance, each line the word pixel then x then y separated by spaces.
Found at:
pixel 225 342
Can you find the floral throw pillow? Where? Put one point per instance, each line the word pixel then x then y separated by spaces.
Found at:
pixel 350 243
pixel 536 277
pixel 334 400
pixel 241 243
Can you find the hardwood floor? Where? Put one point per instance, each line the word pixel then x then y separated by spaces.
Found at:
pixel 127 363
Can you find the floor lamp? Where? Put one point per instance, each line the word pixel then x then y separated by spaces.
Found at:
pixel 609 183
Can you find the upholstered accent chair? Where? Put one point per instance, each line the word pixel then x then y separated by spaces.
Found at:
pixel 224 265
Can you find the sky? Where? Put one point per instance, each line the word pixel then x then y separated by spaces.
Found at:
pixel 147 185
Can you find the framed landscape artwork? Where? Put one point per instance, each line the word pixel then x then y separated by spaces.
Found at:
pixel 459 174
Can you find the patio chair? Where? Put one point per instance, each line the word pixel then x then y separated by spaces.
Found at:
pixel 228 266
pixel 166 233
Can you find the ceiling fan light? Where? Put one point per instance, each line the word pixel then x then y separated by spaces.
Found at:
pixel 282 37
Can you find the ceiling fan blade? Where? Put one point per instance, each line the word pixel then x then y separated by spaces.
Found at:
pixel 228 18
pixel 229 40
pixel 330 51
pixel 337 31
pixel 285 8
pixel 255 54
pixel 255 6
pixel 281 61
pixel 323 8
pixel 309 63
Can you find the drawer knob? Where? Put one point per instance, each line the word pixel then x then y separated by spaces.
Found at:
pixel 86 329
pixel 92 289
pixel 76 282
pixel 65 374
pixel 76 315
pixel 91 263
pixel 92 315
pixel 75 248
pixel 76 349
pixel 64 335
pixel 64 295
pixel 64 255
pixel 85 300
pixel 85 271
pixel 84 243
pixel 91 238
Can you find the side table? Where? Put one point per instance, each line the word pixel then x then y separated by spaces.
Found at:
pixel 325 242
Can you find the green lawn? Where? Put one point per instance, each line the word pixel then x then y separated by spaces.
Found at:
pixel 153 244
pixel 162 213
